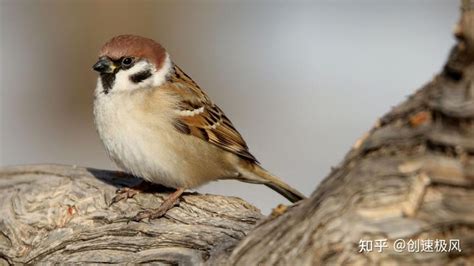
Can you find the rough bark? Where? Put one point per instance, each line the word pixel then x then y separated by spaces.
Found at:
pixel 52 213
pixel 410 177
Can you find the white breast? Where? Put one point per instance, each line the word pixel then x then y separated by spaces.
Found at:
pixel 144 143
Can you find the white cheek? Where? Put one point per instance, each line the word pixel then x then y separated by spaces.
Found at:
pixel 160 76
pixel 122 78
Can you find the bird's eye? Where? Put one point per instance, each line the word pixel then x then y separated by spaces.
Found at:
pixel 127 62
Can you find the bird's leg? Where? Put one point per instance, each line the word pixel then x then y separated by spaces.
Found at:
pixel 129 192
pixel 160 211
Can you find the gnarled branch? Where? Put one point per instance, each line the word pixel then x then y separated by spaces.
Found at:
pixel 411 177
pixel 61 214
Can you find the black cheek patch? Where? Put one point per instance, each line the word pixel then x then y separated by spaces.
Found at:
pixel 140 76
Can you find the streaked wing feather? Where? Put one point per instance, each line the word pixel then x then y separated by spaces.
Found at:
pixel 199 117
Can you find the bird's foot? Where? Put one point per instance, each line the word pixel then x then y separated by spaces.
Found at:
pixel 169 203
pixel 150 214
pixel 130 192
pixel 123 194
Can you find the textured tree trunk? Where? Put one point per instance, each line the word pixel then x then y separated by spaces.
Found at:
pixel 410 179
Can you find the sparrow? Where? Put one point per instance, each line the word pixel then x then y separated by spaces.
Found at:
pixel 158 124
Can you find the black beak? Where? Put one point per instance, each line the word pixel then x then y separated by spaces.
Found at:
pixel 104 65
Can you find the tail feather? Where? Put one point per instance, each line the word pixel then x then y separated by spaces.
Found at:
pixel 289 193
pixel 259 175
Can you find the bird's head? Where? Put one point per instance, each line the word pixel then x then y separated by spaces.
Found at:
pixel 128 62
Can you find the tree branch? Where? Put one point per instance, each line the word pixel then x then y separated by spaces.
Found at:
pixel 60 214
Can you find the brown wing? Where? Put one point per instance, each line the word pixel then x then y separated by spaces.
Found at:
pixel 199 117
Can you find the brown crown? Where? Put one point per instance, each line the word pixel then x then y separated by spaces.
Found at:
pixel 134 46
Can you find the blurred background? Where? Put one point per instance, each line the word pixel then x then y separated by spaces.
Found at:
pixel 301 80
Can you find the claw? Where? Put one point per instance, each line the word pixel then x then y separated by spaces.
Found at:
pixel 150 214
pixel 165 206
pixel 123 194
